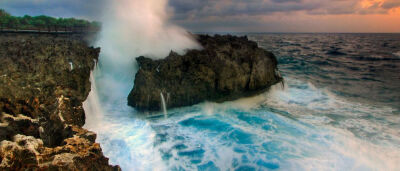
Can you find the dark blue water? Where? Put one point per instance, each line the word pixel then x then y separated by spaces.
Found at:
pixel 337 110
pixel 357 66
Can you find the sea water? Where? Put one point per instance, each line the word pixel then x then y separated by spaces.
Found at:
pixel 339 109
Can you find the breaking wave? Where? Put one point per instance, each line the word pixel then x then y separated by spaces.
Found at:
pixel 277 130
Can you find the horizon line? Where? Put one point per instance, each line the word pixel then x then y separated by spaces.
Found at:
pixel 251 32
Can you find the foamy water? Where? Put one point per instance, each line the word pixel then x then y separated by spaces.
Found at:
pixel 277 130
pixel 337 111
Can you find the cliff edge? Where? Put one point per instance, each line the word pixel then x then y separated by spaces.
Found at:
pixel 44 80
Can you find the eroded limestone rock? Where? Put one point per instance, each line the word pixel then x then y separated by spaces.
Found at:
pixel 41 97
pixel 228 68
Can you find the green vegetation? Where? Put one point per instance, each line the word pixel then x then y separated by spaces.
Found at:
pixel 45 23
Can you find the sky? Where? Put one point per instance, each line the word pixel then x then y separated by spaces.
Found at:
pixel 244 15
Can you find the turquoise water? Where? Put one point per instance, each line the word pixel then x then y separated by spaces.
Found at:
pixel 304 124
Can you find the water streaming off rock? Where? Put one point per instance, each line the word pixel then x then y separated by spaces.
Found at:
pixel 163 105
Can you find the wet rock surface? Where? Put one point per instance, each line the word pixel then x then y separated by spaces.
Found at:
pixel 227 68
pixel 43 81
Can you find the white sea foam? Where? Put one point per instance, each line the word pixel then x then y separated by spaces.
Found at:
pixel 300 135
pixel 138 143
pixel 304 138
pixel 363 133
pixel 300 127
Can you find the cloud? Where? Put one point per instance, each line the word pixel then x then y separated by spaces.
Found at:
pixel 206 8
pixel 285 1
pixel 391 4
pixel 200 9
pixel 235 15
pixel 284 15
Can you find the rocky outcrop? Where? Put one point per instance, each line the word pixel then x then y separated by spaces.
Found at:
pixel 43 81
pixel 228 68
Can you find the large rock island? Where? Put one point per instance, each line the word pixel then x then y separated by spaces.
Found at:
pixel 44 78
pixel 227 68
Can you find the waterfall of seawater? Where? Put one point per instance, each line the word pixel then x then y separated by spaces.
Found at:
pixel 92 106
pixel 163 105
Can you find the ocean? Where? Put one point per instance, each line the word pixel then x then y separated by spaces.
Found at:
pixel 337 109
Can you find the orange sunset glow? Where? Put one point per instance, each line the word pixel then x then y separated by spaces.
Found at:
pixel 239 16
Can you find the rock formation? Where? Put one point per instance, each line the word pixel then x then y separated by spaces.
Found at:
pixel 43 81
pixel 228 68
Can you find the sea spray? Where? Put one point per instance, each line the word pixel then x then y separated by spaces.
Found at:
pixel 133 28
pixel 130 28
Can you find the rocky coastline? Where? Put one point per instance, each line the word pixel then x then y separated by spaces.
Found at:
pixel 227 68
pixel 44 80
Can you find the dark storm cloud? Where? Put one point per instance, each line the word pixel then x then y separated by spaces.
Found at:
pixel 202 8
pixel 389 4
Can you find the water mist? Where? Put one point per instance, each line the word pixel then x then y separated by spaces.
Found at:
pixel 130 28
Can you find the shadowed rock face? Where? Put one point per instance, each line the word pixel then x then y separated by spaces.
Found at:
pixel 43 81
pixel 227 68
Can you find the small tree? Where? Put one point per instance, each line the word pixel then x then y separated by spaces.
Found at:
pixel 52 22
pixel 60 23
pixel 69 24
pixel 47 21
pixel 81 25
pixel 4 13
pixel 73 23
pixel 3 22
pixel 13 22
pixel 38 22
pixel 26 22
pixel 4 18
